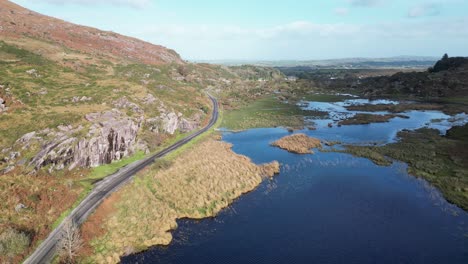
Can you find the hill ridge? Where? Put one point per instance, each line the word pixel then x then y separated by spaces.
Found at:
pixel 16 21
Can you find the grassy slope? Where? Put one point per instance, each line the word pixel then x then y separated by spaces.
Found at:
pixel 42 99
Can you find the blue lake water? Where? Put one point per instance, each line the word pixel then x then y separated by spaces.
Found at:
pixel 327 208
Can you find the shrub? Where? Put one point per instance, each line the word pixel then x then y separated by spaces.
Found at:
pixel 13 242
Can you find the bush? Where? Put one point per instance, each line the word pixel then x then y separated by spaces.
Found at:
pixel 13 242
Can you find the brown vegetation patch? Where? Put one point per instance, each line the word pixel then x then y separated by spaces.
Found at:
pixel 93 227
pixel 31 204
pixel 298 143
pixel 197 184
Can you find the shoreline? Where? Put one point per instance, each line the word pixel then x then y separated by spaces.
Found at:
pixel 162 197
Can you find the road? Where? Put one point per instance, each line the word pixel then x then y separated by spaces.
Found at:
pixel 46 251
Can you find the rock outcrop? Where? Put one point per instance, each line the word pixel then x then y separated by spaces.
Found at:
pixel 107 136
pixel 3 107
pixel 171 122
pixel 110 138
pixel 111 135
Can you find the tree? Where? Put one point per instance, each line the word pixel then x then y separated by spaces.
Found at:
pixel 70 242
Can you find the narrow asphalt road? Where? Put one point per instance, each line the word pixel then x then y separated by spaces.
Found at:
pixel 46 251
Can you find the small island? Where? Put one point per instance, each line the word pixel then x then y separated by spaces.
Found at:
pixel 365 119
pixel 298 143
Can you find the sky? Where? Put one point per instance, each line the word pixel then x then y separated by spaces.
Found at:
pixel 278 30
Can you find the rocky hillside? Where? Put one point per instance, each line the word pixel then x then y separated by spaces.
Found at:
pixel 77 103
pixel 18 22
pixel 61 118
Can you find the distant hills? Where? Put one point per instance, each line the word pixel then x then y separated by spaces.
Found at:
pixel 346 63
pixel 447 77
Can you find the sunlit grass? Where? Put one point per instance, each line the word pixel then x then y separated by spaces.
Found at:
pixel 265 112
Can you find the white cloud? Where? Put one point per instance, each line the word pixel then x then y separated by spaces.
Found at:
pixel 427 9
pixel 341 11
pixel 304 39
pixel 132 3
pixel 366 3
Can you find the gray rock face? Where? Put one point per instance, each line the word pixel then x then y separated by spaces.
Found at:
pixel 171 122
pixel 189 125
pixel 55 152
pixel 112 137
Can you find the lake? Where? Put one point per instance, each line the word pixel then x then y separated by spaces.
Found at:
pixel 327 207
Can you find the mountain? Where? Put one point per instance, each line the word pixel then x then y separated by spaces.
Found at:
pixel 17 22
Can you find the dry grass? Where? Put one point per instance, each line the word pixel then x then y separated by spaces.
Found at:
pixel 39 195
pixel 298 143
pixel 197 184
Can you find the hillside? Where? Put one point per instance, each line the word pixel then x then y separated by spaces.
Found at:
pixel 77 103
pixel 17 22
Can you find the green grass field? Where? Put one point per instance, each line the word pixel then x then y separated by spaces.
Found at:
pixel 265 112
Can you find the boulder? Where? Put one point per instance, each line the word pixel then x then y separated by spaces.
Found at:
pixel 187 126
pixel 3 107
pixel 43 91
pixel 170 122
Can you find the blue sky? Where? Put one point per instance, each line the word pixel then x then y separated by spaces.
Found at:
pixel 278 30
